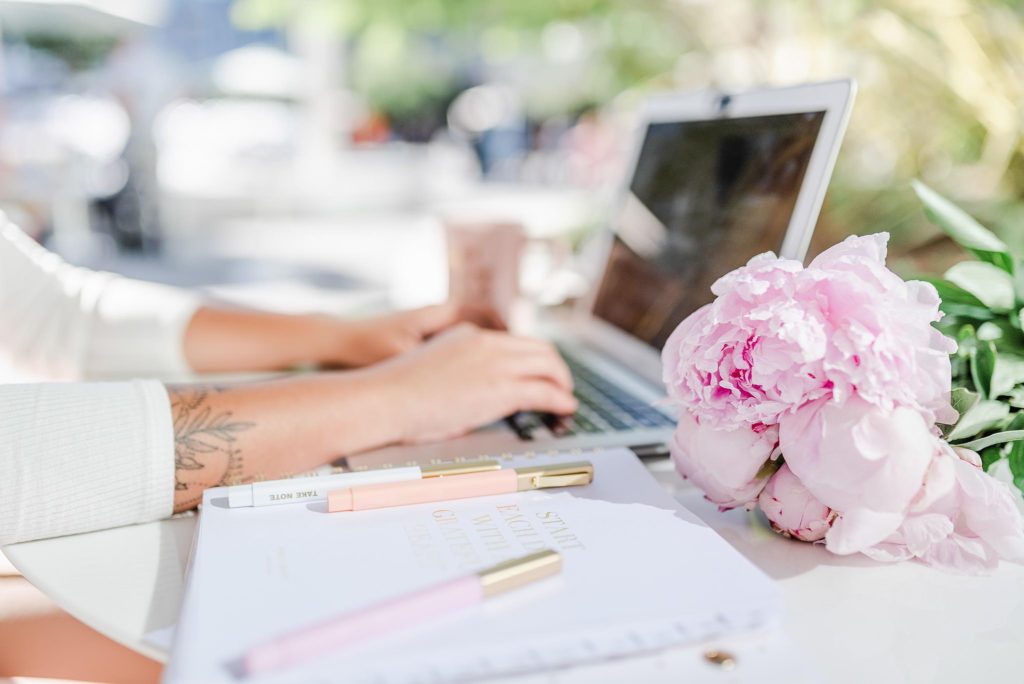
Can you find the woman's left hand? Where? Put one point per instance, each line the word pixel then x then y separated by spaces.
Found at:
pixel 220 340
pixel 365 342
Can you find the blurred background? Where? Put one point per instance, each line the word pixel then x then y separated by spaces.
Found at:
pixel 297 154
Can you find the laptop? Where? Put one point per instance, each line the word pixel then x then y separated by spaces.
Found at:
pixel 716 179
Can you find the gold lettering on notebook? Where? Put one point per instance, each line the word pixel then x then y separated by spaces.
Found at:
pixel 522 528
pixel 457 539
pixel 487 536
pixel 564 537
pixel 490 535
pixel 421 540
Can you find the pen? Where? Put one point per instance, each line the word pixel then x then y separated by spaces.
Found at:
pixel 402 612
pixel 304 489
pixel 504 481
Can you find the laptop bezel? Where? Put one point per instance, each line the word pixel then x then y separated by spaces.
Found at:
pixel 835 98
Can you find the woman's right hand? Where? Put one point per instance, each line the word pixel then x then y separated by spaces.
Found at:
pixel 467 377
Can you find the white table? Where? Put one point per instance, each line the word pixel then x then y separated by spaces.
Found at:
pixel 848 619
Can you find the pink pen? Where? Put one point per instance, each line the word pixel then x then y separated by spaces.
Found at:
pixel 403 612
pixel 505 481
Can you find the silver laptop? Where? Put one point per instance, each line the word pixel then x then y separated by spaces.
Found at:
pixel 716 179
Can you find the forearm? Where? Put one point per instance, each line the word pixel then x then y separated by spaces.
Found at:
pixel 225 340
pixel 272 429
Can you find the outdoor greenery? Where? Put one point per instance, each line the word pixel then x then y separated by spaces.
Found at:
pixel 79 53
pixel 941 81
pixel 983 301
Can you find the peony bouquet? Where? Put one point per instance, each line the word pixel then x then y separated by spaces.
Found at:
pixel 822 395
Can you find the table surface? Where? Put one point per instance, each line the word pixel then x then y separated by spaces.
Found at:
pixel 847 619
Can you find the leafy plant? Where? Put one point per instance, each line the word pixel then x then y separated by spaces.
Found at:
pixel 407 55
pixel 984 305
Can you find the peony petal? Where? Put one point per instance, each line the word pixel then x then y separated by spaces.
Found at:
pixel 869 247
pixel 989 511
pixel 962 520
pixel 888 552
pixel 961 554
pixel 859 529
pixel 724 464
pixel 855 455
pixel 921 532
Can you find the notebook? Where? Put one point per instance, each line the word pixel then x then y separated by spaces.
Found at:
pixel 640 574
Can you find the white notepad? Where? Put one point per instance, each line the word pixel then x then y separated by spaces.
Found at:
pixel 640 573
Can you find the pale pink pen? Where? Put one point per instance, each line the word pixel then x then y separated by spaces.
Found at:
pixel 402 612
pixel 460 486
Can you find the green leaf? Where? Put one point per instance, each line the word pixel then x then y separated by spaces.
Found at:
pixel 769 468
pixel 989 331
pixel 976 313
pixel 990 455
pixel 960 226
pixel 1017 423
pixel 981 417
pixel 966 338
pixel 1016 458
pixel 951 293
pixel 1009 338
pixel 993 439
pixel 961 372
pixel 957 301
pixel 963 399
pixel 1016 398
pixel 983 365
pixel 1009 373
pixel 986 282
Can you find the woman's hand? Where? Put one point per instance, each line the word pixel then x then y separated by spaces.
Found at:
pixel 468 377
pixel 222 340
pixel 362 343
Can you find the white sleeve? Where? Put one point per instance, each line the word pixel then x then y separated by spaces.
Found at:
pixel 76 457
pixel 68 322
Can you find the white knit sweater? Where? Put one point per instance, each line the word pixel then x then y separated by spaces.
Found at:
pixel 79 456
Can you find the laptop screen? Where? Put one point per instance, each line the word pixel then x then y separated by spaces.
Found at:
pixel 705 197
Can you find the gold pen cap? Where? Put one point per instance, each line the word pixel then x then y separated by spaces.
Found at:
pixel 459 468
pixel 555 475
pixel 519 572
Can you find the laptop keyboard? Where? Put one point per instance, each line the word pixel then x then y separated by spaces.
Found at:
pixel 604 407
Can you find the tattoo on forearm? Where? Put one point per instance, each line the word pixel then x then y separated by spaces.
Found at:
pixel 205 439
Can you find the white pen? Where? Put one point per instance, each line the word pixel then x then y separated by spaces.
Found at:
pixel 306 489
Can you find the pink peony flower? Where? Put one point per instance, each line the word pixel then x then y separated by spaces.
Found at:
pixel 962 519
pixel 792 509
pixel 882 343
pixel 725 464
pixel 836 367
pixel 862 461
pixel 779 336
pixel 752 353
